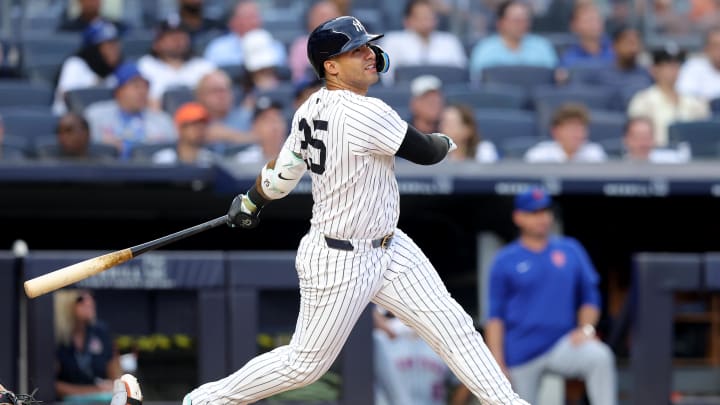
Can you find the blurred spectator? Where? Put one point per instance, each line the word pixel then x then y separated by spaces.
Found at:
pixel 422 377
pixel 228 124
pixel 270 127
pixel 626 73
pixel 171 62
pixel 458 122
pixel 592 46
pixel 666 18
pixel 86 360
pixel 126 120
pixel 261 62
pixel 420 43
pixel 317 14
pixel 426 103
pixel 569 129
pixel 344 6
pixel 305 88
pixel 704 14
pixel 639 144
pixel 544 304
pixel 228 49
pixel 92 65
pixel 512 44
pixel 194 21
pixel 700 76
pixel 89 12
pixel 661 102
pixel 191 122
pixel 73 142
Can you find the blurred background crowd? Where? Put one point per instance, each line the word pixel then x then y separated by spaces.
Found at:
pixel 193 81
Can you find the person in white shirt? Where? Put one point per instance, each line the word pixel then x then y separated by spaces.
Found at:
pixel 92 65
pixel 171 62
pixel 228 49
pixel 661 102
pixel 191 121
pixel 270 127
pixel 420 43
pixel 569 129
pixel 458 122
pixel 700 76
pixel 639 144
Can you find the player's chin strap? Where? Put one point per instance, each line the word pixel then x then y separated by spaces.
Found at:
pixel 382 60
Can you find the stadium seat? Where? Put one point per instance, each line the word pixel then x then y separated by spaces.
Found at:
pixel 497 125
pixel 29 122
pixel 446 74
pixel 702 136
pixel 135 46
pixel 42 72
pixel 715 106
pixel 236 72
pixel 525 76
pixel 20 93
pixel 42 48
pixel 20 146
pixel 174 97
pixel 515 147
pixel 584 74
pixel 490 95
pixel 77 100
pixel 613 147
pixel 560 40
pixel 397 95
pixel 284 93
pixel 372 18
pixel 606 125
pixel 546 99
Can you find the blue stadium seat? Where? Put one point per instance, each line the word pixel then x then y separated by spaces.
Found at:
pixel 137 45
pixel 606 125
pixel 16 146
pixel 20 93
pixel 284 93
pixel 77 100
pixel 29 122
pixel 236 72
pixel 560 40
pixel 174 97
pixel 613 147
pixel 447 74
pixel 515 147
pixel 490 95
pixel 397 95
pixel 143 153
pixel 47 147
pixel 497 125
pixel 42 48
pixel 715 106
pixel 702 136
pixel 525 76
pixel 546 99
pixel 584 74
pixel 42 72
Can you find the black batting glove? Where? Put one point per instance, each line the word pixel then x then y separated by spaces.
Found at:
pixel 243 213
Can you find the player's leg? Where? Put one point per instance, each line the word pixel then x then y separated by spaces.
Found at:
pixel 414 292
pixel 592 361
pixel 335 287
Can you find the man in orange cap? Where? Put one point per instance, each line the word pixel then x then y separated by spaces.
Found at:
pixel 191 121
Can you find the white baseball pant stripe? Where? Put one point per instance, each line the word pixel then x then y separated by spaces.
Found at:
pixel 335 287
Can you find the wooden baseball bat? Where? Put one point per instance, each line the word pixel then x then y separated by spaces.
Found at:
pixel 65 276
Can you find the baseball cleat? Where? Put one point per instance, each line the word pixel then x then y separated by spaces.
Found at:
pixel 126 391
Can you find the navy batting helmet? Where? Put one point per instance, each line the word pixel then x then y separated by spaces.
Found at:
pixel 340 35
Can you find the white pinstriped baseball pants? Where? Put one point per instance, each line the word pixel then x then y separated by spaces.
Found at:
pixel 335 288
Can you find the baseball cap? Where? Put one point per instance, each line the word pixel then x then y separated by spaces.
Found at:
pixel 98 32
pixel 423 84
pixel 191 112
pixel 126 72
pixel 533 199
pixel 259 50
pixel 671 52
pixel 265 103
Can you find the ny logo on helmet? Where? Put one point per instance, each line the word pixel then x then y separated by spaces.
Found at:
pixel 358 26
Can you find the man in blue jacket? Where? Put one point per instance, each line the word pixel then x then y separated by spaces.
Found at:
pixel 544 305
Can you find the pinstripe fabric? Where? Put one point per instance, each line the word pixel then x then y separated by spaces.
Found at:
pixel 348 143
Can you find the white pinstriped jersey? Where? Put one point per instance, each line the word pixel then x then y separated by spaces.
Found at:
pixel 349 142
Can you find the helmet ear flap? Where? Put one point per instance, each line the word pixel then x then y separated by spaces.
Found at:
pixel 382 60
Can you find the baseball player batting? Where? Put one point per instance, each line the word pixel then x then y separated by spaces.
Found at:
pixel 353 253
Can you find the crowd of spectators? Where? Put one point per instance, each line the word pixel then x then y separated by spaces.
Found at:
pixel 582 69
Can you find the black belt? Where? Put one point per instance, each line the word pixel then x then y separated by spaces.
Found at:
pixel 340 244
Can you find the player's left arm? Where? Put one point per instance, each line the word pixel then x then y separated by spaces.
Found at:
pixel 276 180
